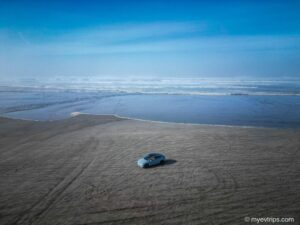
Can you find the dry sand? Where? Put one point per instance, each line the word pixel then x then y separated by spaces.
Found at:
pixel 83 170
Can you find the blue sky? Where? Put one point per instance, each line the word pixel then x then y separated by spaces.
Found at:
pixel 150 38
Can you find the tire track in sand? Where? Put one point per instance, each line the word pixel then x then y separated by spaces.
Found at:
pixel 34 213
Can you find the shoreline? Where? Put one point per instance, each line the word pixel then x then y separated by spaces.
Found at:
pixel 154 121
pixel 235 111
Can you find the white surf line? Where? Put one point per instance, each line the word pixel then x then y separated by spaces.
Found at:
pixel 14 118
pixel 73 114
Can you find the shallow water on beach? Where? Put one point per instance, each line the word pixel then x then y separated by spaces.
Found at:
pixel 262 111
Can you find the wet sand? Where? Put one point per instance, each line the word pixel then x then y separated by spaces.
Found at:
pixel 82 170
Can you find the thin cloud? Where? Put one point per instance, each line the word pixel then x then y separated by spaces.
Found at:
pixel 198 44
pixel 126 32
pixel 149 37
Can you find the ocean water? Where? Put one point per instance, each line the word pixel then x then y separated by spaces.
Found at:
pixel 240 103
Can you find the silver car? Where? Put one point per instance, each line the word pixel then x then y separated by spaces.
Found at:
pixel 151 159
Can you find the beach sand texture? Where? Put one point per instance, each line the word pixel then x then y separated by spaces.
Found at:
pixel 83 170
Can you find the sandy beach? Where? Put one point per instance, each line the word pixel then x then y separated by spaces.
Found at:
pixel 83 170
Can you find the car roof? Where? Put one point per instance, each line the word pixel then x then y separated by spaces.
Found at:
pixel 153 154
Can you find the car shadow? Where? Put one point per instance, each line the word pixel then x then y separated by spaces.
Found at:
pixel 167 162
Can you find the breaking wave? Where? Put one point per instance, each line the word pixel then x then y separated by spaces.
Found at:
pixel 176 86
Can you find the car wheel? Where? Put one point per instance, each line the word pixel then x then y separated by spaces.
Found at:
pixel 147 165
pixel 162 161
